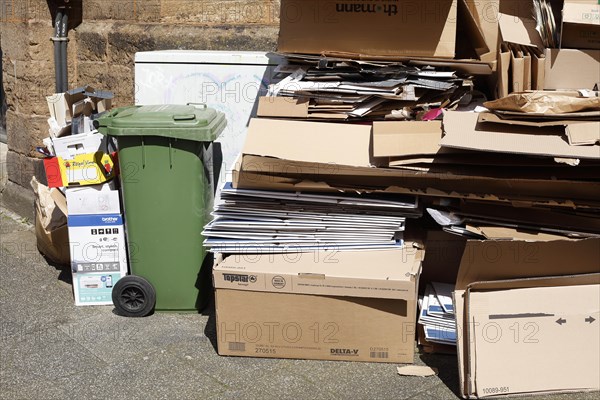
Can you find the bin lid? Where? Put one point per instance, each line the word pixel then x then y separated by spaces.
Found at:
pixel 190 122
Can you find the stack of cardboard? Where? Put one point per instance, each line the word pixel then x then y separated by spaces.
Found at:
pixel 341 89
pixel 80 170
pixel 514 180
pixel 263 221
pixel 544 41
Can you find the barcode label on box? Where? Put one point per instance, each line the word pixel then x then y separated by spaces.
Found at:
pixel 379 354
pixel 237 346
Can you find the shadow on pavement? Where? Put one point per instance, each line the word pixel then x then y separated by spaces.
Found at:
pixel 211 325
pixel 447 369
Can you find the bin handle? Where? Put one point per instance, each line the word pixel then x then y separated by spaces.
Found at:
pixel 170 154
pixel 197 104
pixel 143 154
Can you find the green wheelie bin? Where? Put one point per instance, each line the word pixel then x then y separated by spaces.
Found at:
pixel 165 158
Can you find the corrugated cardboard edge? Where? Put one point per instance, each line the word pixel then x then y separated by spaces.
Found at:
pixel 587 133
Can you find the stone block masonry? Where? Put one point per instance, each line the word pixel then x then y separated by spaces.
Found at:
pixel 104 36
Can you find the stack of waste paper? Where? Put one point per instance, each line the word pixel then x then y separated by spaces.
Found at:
pixel 342 89
pixel 263 221
pixel 436 314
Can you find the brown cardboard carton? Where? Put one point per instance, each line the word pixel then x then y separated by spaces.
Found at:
pixel 518 305
pixel 580 25
pixel 351 306
pixel 571 69
pixel 358 27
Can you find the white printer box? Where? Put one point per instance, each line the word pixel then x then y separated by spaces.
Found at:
pixel 93 199
pixel 96 241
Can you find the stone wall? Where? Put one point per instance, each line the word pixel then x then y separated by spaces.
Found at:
pixel 103 38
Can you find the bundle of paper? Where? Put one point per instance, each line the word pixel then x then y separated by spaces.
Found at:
pixel 263 221
pixel 545 23
pixel 355 90
pixel 436 313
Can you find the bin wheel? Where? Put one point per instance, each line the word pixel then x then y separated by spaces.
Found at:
pixel 133 296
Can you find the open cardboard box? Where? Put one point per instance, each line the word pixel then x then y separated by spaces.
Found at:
pixel 528 317
pixel 422 32
pixel 325 305
pixel 580 24
pixel 355 27
pixel 64 106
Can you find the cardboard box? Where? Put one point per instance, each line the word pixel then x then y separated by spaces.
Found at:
pixel 351 305
pixel 97 242
pixel 561 64
pixel 68 147
pixel 96 199
pixel 81 170
pixel 98 256
pixel 525 306
pixel 61 105
pixel 580 25
pixel 97 238
pixel 95 289
pixel 357 27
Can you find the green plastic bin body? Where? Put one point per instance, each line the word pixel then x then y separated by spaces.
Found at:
pixel 165 156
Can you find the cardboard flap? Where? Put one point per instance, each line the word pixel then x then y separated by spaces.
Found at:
pixel 463 131
pixel 523 259
pixel 405 138
pixel 560 64
pixel 473 31
pixel 587 133
pixel 495 118
pixel 60 200
pixel 320 142
pixel 545 281
pixel 282 107
pixel 505 233
pixel 519 30
pixel 378 273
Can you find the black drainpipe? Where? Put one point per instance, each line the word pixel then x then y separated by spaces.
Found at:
pixel 60 39
pixel 57 50
pixel 63 51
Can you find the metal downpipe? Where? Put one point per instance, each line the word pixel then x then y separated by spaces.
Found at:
pixel 57 52
pixel 64 32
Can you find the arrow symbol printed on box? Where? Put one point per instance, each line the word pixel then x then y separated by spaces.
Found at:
pixel 561 321
pixel 590 319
